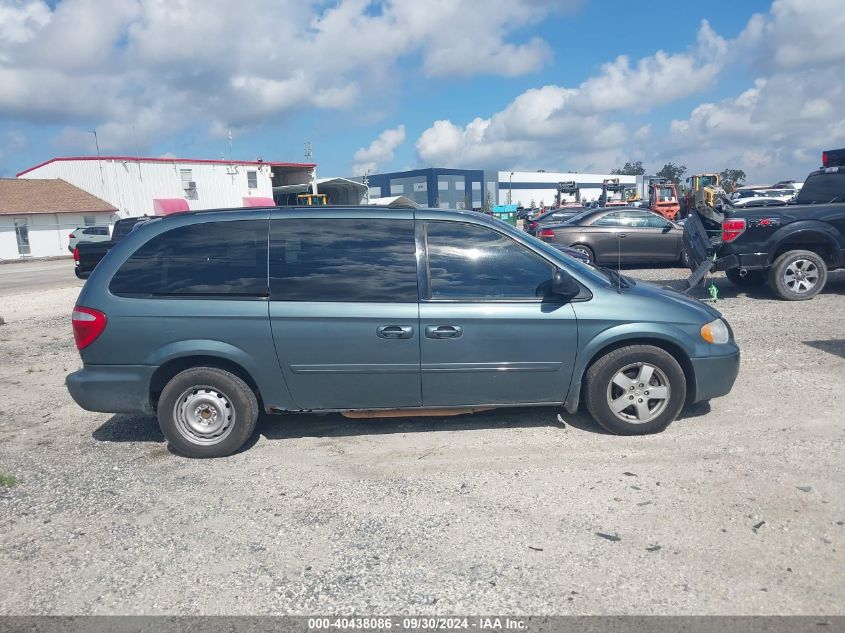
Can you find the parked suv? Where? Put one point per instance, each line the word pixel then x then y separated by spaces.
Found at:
pixel 208 318
pixel 84 234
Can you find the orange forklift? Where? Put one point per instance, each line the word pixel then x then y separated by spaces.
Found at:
pixel 663 198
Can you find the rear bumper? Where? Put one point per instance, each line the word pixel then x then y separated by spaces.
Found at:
pixel 112 388
pixel 749 261
pixel 714 375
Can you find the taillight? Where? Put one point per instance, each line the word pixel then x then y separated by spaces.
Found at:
pixel 88 324
pixel 546 233
pixel 76 254
pixel 824 159
pixel 71 236
pixel 732 229
pixel 532 225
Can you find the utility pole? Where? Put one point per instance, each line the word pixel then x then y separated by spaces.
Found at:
pixel 510 189
pixel 308 155
pixel 366 182
pixel 230 146
pixel 99 163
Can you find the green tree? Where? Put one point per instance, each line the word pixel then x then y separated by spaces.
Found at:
pixel 630 169
pixel 673 172
pixel 731 179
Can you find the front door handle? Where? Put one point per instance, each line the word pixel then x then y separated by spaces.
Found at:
pixel 395 331
pixel 621 235
pixel 443 331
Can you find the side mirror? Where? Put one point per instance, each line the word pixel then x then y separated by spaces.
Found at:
pixel 563 285
pixel 667 227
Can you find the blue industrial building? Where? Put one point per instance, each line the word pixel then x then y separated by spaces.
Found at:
pixel 436 187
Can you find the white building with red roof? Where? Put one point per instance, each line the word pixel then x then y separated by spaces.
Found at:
pixel 154 186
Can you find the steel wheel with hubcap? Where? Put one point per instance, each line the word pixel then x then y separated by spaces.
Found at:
pixel 207 412
pixel 203 415
pixel 635 390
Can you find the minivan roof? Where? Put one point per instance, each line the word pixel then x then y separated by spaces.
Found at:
pixel 351 207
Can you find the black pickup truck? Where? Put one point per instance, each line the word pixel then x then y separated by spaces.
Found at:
pixel 791 247
pixel 88 254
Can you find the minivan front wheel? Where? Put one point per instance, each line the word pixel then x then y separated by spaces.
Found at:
pixel 207 412
pixel 635 390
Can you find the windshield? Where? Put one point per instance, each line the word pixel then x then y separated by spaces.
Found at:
pixel 665 194
pixel 579 216
pixel 706 181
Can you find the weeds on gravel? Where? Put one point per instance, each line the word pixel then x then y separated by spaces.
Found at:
pixel 7 481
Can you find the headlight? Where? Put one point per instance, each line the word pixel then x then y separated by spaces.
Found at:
pixel 715 332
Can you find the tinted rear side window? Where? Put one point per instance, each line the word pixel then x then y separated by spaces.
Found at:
pixel 470 262
pixel 213 259
pixel 354 260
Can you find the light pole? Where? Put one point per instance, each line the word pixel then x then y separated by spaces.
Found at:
pixel 510 189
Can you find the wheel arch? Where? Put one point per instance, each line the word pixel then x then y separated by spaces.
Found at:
pixel 811 238
pixel 165 372
pixel 675 350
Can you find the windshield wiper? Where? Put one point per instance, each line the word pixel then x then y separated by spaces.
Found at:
pixel 614 277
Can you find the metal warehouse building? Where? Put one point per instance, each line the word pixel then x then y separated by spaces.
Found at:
pixel 523 187
pixel 147 186
pixel 471 188
pixel 37 216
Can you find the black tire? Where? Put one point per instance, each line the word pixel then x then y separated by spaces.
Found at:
pixel 591 256
pixel 600 390
pixel 224 394
pixel 685 260
pixel 799 262
pixel 752 278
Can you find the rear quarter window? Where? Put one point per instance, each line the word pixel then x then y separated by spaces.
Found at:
pixel 823 188
pixel 213 259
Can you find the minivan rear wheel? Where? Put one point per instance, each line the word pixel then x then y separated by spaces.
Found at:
pixel 635 390
pixel 207 412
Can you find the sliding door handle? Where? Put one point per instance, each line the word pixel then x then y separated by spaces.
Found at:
pixel 443 331
pixel 395 331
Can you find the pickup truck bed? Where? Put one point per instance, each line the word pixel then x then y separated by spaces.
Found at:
pixel 791 247
pixel 88 254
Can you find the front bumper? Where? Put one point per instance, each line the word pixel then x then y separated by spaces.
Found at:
pixel 715 375
pixel 112 388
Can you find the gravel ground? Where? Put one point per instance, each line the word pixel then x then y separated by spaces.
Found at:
pixel 737 508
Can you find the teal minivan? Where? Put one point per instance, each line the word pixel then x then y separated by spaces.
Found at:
pixel 208 318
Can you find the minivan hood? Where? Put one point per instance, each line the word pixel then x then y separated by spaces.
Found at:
pixel 652 291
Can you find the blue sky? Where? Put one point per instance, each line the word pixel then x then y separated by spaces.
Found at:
pixel 504 84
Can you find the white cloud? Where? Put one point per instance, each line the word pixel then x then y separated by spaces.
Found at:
pixel 379 151
pixel 803 33
pixel 776 129
pixel 571 124
pixel 657 79
pixel 199 63
pixel 20 20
